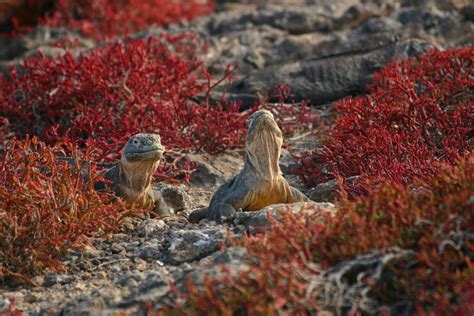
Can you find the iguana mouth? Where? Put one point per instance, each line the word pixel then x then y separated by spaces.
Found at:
pixel 161 149
pixel 152 154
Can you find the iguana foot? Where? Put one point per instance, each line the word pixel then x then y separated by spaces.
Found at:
pixel 223 212
pixel 198 214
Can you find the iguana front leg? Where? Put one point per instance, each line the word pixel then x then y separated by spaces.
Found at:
pixel 222 205
pixel 220 211
pixel 229 205
pixel 198 214
pixel 214 214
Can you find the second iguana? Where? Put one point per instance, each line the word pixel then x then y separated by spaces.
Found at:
pixel 130 178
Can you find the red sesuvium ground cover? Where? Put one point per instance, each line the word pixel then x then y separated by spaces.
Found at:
pixel 102 98
pixel 105 96
pixel 102 19
pixel 48 206
pixel 432 218
pixel 417 112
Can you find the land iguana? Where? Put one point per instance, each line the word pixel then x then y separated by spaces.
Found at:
pixel 323 80
pixel 260 182
pixel 130 178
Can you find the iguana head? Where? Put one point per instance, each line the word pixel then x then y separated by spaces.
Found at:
pixel 263 144
pixel 141 156
pixel 143 147
pixel 262 120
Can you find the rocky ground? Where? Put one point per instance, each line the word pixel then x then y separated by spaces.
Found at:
pixel 326 50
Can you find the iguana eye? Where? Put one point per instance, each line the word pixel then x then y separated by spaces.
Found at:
pixel 249 121
pixel 135 141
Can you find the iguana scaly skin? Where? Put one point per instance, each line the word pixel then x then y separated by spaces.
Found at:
pixel 260 183
pixel 130 178
pixel 322 80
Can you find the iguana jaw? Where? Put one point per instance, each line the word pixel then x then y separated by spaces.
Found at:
pixel 152 154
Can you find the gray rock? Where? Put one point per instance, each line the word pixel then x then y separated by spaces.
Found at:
pixel 291 19
pixel 44 39
pixel 176 197
pixel 192 245
pixel 30 298
pixel 355 15
pixel 235 259
pixel 127 278
pixel 151 281
pixel 148 253
pixel 203 176
pixel 344 287
pixel 468 12
pixel 381 25
pixel 326 79
pixel 149 227
pixel 53 278
pixel 240 48
pixel 210 172
pixel 117 248
pixel 287 163
pixel 261 218
pixel 324 192
pixel 230 255
pixel 433 22
pixel 328 191
pixel 154 286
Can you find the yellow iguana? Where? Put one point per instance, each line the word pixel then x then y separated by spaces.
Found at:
pixel 260 183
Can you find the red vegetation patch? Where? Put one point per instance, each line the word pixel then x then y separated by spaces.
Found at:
pixel 48 206
pixel 100 99
pixel 102 19
pixel 433 219
pixel 291 117
pixel 418 112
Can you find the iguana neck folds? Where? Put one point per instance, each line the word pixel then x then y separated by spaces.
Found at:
pixel 263 146
pixel 137 176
